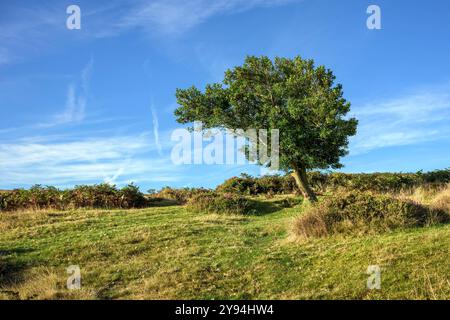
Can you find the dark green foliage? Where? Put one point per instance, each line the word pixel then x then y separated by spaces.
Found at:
pixel 362 213
pixel 291 95
pixel 96 196
pixel 294 96
pixel 380 182
pixel 3 200
pixel 436 176
pixel 227 203
pixel 131 197
pixel 321 182
pixel 248 185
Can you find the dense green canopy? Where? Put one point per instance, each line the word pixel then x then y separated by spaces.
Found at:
pixel 294 96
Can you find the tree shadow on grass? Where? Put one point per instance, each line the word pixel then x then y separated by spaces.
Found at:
pixel 162 202
pixel 11 270
pixel 262 208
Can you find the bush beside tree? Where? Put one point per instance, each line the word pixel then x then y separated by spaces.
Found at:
pixel 360 213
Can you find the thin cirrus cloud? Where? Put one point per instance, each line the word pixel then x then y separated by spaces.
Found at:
pixel 65 160
pixel 32 28
pixel 75 106
pixel 414 118
pixel 155 123
pixel 84 161
pixel 27 30
pixel 178 16
pixel 4 56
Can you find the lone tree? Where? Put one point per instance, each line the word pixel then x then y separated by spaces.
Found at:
pixel 291 95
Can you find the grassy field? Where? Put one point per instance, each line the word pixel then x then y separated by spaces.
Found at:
pixel 171 253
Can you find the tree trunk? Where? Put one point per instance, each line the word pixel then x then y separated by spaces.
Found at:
pixel 301 180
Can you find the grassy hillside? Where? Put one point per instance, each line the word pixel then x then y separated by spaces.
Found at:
pixel 170 252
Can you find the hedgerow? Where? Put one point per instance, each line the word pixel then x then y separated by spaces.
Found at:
pixel 107 196
pixel 321 182
pixel 103 196
pixel 213 202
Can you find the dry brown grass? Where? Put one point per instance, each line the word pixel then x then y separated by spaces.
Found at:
pixel 442 200
pixel 435 197
pixel 423 194
pixel 42 284
pixel 360 213
pixel 311 225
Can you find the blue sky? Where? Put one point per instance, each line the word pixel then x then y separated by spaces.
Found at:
pixel 96 104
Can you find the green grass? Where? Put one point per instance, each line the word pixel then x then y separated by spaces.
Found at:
pixel 171 253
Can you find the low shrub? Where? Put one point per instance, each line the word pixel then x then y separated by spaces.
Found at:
pixel 436 176
pixel 3 202
pixel 213 202
pixel 102 196
pixel 248 185
pixel 245 184
pixel 131 197
pixel 181 196
pixel 363 213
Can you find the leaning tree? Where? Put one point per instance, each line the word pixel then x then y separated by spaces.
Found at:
pixel 294 96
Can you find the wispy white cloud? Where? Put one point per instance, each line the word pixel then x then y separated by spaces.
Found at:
pixel 155 123
pixel 26 30
pixel 178 16
pixel 4 56
pixel 83 161
pixel 86 75
pixel 76 102
pixel 74 109
pixel 20 154
pixel 416 117
pixel 35 28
